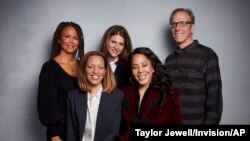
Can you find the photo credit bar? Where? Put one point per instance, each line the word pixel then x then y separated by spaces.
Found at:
pixel 149 132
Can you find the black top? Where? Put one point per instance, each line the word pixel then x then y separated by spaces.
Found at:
pixel 54 84
pixel 195 71
pixel 122 74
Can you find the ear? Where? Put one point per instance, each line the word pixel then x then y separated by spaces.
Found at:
pixel 192 28
pixel 58 41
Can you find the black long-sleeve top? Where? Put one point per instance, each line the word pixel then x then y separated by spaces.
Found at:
pixel 54 84
pixel 123 74
pixel 195 71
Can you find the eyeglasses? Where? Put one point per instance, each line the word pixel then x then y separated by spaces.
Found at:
pixel 181 24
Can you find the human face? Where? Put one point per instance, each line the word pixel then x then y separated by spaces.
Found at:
pixel 115 46
pixel 182 34
pixel 142 69
pixel 95 70
pixel 69 40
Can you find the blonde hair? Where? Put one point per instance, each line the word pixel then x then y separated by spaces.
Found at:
pixel 108 82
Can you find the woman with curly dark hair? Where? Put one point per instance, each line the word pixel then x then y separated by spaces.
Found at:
pixel 152 100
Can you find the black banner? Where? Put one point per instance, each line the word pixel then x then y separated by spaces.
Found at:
pixel 158 133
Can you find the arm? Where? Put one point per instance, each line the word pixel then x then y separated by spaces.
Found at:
pixel 171 110
pixel 71 132
pixel 124 134
pixel 47 95
pixel 214 91
pixel 176 113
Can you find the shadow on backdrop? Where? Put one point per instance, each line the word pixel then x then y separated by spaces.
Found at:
pixel 35 127
pixel 169 41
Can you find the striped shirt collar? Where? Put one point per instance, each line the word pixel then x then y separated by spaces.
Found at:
pixel 186 49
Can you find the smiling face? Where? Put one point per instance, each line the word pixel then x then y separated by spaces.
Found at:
pixel 95 70
pixel 142 69
pixel 115 46
pixel 182 33
pixel 69 40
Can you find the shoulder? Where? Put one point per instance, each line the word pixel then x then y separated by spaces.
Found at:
pixel 74 93
pixel 173 92
pixel 170 55
pixel 49 70
pixel 117 93
pixel 169 59
pixel 123 66
pixel 49 65
pixel 209 53
pixel 128 90
pixel 206 50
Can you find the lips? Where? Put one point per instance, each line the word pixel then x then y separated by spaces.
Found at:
pixel 177 34
pixel 142 77
pixel 95 77
pixel 71 46
pixel 114 51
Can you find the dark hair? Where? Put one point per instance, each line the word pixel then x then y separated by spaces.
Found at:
pixel 161 79
pixel 187 10
pixel 117 30
pixel 56 48
pixel 108 82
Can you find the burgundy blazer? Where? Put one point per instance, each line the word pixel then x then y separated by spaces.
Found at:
pixel 169 113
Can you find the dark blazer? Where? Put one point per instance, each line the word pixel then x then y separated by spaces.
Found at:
pixel 108 117
pixel 123 74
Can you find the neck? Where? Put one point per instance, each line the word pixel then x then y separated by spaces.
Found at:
pixel 66 58
pixel 112 58
pixel 186 43
pixel 142 89
pixel 94 89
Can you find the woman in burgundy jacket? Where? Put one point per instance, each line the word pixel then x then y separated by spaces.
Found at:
pixel 152 100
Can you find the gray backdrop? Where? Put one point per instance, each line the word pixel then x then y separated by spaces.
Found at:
pixel 26 32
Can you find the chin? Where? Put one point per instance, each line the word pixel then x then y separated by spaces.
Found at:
pixel 143 83
pixel 179 41
pixel 95 83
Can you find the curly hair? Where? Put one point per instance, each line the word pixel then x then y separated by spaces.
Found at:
pixel 161 79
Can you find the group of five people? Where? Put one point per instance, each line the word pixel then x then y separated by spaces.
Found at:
pixel 99 95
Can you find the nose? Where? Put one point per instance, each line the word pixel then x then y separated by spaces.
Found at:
pixel 140 69
pixel 95 70
pixel 71 40
pixel 116 46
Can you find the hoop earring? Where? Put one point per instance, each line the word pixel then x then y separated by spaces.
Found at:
pixel 76 55
pixel 132 80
